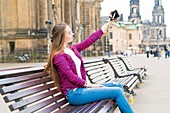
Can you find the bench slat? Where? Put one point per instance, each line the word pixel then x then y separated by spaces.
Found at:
pixel 108 106
pixel 20 86
pixel 17 95
pixel 127 79
pixel 54 108
pixel 97 74
pixel 22 78
pixel 130 82
pixel 94 108
pixel 64 109
pixel 133 85
pixel 78 109
pixel 93 67
pixel 102 77
pixel 13 72
pixel 97 70
pixel 42 104
pixel 30 100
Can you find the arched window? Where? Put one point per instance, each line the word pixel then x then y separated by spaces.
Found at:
pixel 130 36
pixel 156 19
pixel 160 19
pixel 134 10
pixel 134 21
pixel 12 47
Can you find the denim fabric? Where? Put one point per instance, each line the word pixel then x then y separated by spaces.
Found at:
pixel 167 54
pixel 111 90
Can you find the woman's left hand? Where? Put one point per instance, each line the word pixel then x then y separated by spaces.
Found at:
pixel 106 26
pixel 89 85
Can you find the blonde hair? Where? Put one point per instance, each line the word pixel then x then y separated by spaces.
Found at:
pixel 58 37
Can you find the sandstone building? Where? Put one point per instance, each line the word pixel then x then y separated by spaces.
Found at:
pixel 126 36
pixel 25 24
pixel 137 34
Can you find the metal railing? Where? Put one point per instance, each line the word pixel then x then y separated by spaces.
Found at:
pixel 23 56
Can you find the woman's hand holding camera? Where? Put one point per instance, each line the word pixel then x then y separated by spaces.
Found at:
pixel 113 17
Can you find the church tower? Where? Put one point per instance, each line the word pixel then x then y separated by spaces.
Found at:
pixel 134 12
pixel 158 13
pixel 154 32
pixel 158 19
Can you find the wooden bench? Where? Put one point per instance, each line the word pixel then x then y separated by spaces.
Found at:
pixel 120 69
pixel 99 71
pixel 129 65
pixel 30 90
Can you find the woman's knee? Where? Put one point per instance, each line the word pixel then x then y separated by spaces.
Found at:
pixel 120 86
pixel 119 91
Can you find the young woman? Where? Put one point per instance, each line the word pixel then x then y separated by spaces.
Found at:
pixel 66 68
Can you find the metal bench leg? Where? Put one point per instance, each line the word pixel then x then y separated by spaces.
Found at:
pixel 137 86
pixel 140 79
pixel 133 93
pixel 143 77
pixel 145 73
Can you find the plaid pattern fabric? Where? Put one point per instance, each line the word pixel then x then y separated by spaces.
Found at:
pixel 66 67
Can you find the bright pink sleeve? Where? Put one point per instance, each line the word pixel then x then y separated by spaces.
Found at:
pixel 89 41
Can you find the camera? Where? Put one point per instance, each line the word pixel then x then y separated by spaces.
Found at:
pixel 48 22
pixel 114 15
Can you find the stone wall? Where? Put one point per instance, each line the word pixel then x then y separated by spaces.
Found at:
pixel 22 22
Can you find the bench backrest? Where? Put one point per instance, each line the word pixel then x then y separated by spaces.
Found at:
pixel 32 92
pixel 117 66
pixel 129 65
pixel 99 72
pixel 19 71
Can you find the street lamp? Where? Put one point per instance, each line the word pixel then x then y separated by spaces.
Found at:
pixel 158 35
pixel 48 23
pixel 85 25
pixel 164 36
pixel 108 44
pixel 80 29
pixel 80 32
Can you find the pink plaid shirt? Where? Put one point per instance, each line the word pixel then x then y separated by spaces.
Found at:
pixel 66 67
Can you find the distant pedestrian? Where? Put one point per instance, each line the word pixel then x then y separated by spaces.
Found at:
pixel 147 51
pixel 166 49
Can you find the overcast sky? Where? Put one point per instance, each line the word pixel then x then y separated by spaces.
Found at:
pixel 146 8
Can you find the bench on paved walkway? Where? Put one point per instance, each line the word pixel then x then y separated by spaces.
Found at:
pixel 129 65
pixel 99 71
pixel 31 90
pixel 121 71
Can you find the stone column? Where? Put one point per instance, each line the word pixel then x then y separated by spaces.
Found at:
pixel 43 13
pixel 67 12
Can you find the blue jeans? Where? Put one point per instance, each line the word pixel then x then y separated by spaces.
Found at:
pixel 166 54
pixel 111 90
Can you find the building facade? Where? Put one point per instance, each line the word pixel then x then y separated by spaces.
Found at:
pixel 25 25
pixel 126 36
pixel 154 33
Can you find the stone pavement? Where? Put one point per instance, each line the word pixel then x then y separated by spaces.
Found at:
pixel 154 94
